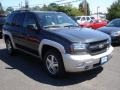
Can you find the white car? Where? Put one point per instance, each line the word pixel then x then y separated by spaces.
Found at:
pixel 83 19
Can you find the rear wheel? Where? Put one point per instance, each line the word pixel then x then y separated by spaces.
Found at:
pixel 54 64
pixel 9 46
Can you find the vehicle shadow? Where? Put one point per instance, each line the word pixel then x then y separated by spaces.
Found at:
pixel 30 67
pixel 115 44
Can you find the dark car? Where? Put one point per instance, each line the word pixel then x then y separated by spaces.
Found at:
pixel 112 29
pixel 2 20
pixel 57 40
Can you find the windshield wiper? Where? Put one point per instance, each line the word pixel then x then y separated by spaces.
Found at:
pixel 71 26
pixel 52 26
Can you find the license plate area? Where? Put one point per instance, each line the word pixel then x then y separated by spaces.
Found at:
pixel 103 60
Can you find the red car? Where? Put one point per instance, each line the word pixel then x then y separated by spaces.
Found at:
pixel 94 24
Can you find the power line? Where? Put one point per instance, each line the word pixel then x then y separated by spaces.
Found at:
pixel 60 0
pixel 74 1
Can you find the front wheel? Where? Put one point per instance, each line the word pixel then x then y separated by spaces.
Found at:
pixel 54 64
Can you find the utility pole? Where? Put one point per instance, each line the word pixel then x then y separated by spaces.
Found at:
pixel 1 9
pixel 97 11
pixel 26 4
pixel 20 5
pixel 85 7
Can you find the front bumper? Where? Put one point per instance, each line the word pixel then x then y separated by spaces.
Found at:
pixel 78 63
pixel 0 33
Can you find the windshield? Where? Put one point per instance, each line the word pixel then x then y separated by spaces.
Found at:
pixel 56 20
pixel 92 18
pixel 114 23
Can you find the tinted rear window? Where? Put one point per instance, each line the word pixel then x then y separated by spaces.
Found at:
pixel 2 20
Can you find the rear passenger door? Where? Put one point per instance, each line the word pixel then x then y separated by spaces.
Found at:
pixel 17 28
pixel 31 41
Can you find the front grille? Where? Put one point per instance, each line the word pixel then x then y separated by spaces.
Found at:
pixel 98 47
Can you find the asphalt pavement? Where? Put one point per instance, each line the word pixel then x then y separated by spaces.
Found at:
pixel 24 72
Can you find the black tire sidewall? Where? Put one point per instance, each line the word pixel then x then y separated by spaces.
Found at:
pixel 61 70
pixel 12 49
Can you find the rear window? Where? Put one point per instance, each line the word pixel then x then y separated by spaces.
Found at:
pixel 2 20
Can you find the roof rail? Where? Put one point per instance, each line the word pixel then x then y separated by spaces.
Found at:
pixel 22 10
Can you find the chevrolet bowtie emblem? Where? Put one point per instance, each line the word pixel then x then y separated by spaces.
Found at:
pixel 101 46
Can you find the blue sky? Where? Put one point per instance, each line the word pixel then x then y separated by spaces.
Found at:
pixel 103 4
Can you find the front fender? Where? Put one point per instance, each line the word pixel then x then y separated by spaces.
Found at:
pixel 51 43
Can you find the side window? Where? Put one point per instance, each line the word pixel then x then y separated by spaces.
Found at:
pixel 18 19
pixel 88 18
pixel 9 19
pixel 83 19
pixel 30 21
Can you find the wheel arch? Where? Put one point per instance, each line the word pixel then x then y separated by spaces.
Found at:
pixel 7 35
pixel 49 44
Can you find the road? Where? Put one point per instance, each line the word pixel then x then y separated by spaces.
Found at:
pixel 23 72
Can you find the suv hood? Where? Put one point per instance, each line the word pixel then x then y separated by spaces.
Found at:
pixel 80 34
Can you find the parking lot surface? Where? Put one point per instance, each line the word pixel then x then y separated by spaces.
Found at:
pixel 23 72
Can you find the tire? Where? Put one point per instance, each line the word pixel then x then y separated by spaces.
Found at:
pixel 54 64
pixel 9 47
pixel 0 36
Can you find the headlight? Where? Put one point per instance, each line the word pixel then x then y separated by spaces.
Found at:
pixel 78 48
pixel 117 33
pixel 109 43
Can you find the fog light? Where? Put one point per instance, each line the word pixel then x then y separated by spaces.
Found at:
pixel 87 67
pixel 81 64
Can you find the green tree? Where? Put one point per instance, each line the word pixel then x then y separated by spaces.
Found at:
pixel 88 9
pixel 53 7
pixel 81 9
pixel 114 10
pixel 1 9
pixel 71 11
pixel 36 8
pixel 44 8
pixel 68 9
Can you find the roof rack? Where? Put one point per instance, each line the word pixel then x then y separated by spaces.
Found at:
pixel 22 10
